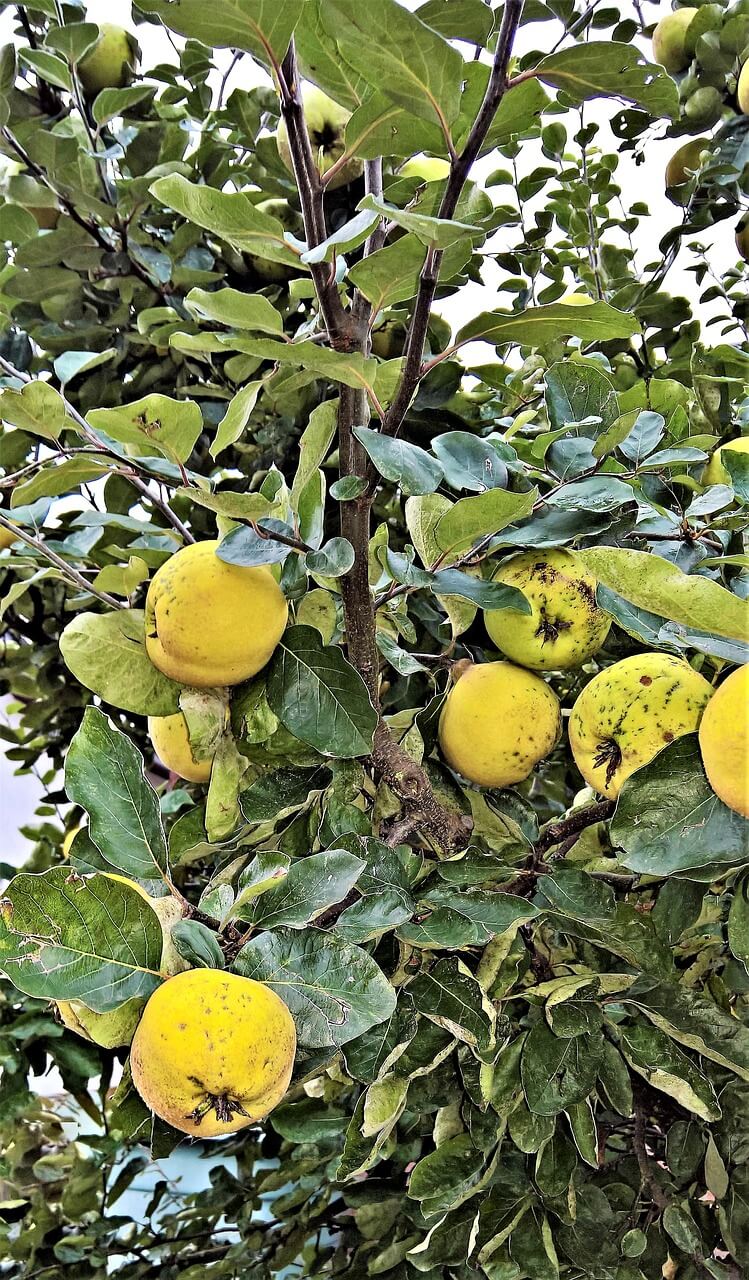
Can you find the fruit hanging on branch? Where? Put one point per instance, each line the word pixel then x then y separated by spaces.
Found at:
pixel 326 126
pixel 171 742
pixel 112 61
pixel 213 1052
pixel 670 46
pixel 209 623
pixel 724 741
pixel 629 712
pixel 498 722
pixel 565 626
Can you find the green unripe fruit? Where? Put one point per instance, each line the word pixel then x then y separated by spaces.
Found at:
pixel 704 108
pixel 685 162
pixel 670 41
pixel 326 124
pixel 110 63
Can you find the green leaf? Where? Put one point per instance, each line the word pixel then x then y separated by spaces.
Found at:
pixel 577 391
pixel 116 102
pixel 156 424
pixel 668 818
pixel 236 418
pixel 608 68
pixel 335 991
pixel 261 27
pixel 310 1120
pixel 352 234
pixel 280 791
pixel 47 65
pixel 471 462
pixel 477 517
pixel 694 1021
pixel 252 545
pixel 197 944
pixel 312 885
pixel 94 939
pixel 385 893
pixel 487 595
pixel 398 55
pixel 231 215
pixel 556 1072
pixel 319 696
pixel 738 920
pixel 104 774
pixel 540 325
pixel 314 446
pixel 37 408
pixel 439 233
pixel 460 20
pixel 376 1052
pixel 654 1056
pixel 392 274
pixel 235 309
pixel 405 464
pixel 449 995
pixel 106 652
pixel 450 1175
pixel 597 493
pixel 588 909
pixel 465 918
pixel 333 559
pixel 654 584
pixel 58 478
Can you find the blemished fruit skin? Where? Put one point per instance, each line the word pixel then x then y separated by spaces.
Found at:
pixel 742 90
pixel 724 741
pixel 669 40
pixel 685 162
pixel 715 472
pixel 565 626
pixel 209 623
pixel 631 711
pixel 326 125
pixel 425 168
pixel 171 742
pixel 109 64
pixel 497 723
pixel 213 1052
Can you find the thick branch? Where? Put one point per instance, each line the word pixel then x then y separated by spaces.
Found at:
pixel 459 171
pixel 306 173
pixel 562 831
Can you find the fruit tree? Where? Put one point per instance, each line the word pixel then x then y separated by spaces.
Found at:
pixel 374 478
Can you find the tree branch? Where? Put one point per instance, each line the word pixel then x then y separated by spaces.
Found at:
pixel 72 575
pixel 461 166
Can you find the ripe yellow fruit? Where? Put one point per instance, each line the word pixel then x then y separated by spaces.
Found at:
pixel 326 122
pixel 213 1052
pixel 631 711
pixel 685 162
pixel 425 168
pixel 576 300
pixel 7 539
pixel 742 90
pixel 209 623
pixel 565 627
pixel 171 742
pixel 715 472
pixel 670 40
pixel 111 61
pixel 724 741
pixel 497 723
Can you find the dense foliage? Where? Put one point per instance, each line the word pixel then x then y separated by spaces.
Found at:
pixel 522 1011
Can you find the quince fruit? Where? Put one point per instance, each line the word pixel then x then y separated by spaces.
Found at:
pixel 497 723
pixel 326 124
pixel 724 741
pixel 209 623
pixel 171 741
pixel 629 712
pixel 111 61
pixel 213 1052
pixel 715 472
pixel 670 40
pixel 565 626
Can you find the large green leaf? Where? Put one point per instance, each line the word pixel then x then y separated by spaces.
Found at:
pixel 586 908
pixel 104 774
pixel 398 55
pixel 455 918
pixel 312 884
pixel 473 518
pixel 229 214
pixel 668 818
pixel 608 68
pixel 262 27
pixel 557 1072
pixel 319 696
pixel 335 991
pixel 654 1056
pixel 576 391
pixel 106 652
pixel 155 424
pixel 235 309
pixel 694 1021
pixel 405 464
pixel 540 325
pixel 36 408
pixel 655 584
pixel 449 995
pixel 93 939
